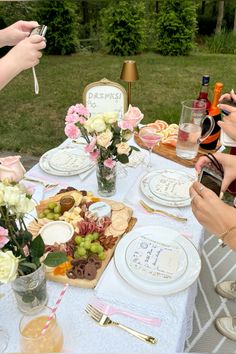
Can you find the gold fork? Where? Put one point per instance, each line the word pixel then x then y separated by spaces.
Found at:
pixel 158 211
pixel 104 320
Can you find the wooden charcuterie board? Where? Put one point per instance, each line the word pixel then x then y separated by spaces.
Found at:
pixel 169 152
pixel 125 212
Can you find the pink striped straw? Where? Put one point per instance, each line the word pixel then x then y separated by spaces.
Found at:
pixel 54 309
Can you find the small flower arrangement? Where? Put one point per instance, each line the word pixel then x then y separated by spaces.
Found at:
pixel 106 137
pixel 20 254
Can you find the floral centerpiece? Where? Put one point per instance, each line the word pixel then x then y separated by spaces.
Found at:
pixel 20 254
pixel 107 140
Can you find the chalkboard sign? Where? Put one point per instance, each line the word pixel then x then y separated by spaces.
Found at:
pixel 105 96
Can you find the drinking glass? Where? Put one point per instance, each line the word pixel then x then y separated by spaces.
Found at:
pixel 31 338
pixel 150 138
pixel 3 335
pixel 190 128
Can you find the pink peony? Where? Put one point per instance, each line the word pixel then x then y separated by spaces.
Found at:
pixel 72 131
pixel 3 237
pixel 81 119
pixel 133 115
pixel 90 147
pixel 81 110
pixel 94 155
pixel 72 118
pixel 109 163
pixel 71 110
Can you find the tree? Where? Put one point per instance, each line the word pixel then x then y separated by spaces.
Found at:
pixel 176 27
pixel 220 16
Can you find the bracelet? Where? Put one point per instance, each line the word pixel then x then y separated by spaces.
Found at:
pixel 224 234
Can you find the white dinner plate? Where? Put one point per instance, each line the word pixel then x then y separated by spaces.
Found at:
pixel 167 237
pixel 168 185
pixel 66 161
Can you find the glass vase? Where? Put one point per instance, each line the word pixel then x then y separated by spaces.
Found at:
pixel 106 180
pixel 30 291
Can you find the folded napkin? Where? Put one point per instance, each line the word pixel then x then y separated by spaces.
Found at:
pixel 115 290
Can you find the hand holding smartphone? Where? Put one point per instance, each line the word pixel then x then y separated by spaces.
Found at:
pixel 211 180
pixel 224 138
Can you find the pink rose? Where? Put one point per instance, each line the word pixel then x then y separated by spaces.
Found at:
pixel 72 131
pixel 71 110
pixel 26 250
pixel 72 118
pixel 133 115
pixel 94 155
pixel 125 124
pixel 90 147
pixel 81 110
pixel 109 163
pixel 3 237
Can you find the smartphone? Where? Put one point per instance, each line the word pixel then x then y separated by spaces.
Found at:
pixel 224 138
pixel 211 180
pixel 41 30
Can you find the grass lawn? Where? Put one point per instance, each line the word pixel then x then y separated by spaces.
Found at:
pixel 34 124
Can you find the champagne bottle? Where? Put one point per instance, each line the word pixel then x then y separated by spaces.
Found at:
pixel 211 141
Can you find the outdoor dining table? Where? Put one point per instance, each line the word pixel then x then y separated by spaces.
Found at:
pixel 81 333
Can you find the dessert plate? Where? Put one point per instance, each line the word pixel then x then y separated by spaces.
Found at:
pixel 156 193
pixel 187 272
pixel 67 161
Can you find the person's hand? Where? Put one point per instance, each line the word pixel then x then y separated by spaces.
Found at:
pixel 229 166
pixel 26 53
pixel 15 33
pixel 228 124
pixel 210 210
pixel 231 96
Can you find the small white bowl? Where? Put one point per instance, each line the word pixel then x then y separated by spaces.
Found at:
pixel 56 231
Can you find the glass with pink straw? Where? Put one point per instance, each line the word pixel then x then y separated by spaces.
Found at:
pixel 41 333
pixel 150 138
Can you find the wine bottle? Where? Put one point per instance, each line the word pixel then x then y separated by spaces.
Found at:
pixel 211 141
pixel 203 93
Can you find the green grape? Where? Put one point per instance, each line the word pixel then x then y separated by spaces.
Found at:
pixel 101 256
pixel 56 216
pixel 76 254
pixel 95 235
pixel 81 251
pixel 87 244
pixel 78 239
pixel 100 249
pixel 93 248
pixel 89 237
pixel 82 244
pixel 52 205
pixel 50 216
pixel 46 212
pixel 57 209
pixel 41 215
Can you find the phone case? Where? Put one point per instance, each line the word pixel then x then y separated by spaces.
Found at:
pixel 226 140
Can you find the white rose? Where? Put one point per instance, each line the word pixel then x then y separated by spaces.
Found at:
pixel 123 148
pixel 25 205
pixel 98 124
pixel 104 139
pixel 11 195
pixel 110 117
pixel 88 126
pixel 8 266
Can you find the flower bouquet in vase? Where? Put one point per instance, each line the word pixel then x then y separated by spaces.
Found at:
pixel 21 256
pixel 107 140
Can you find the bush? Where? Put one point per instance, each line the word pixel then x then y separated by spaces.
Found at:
pixel 224 42
pixel 123 27
pixel 62 21
pixel 176 27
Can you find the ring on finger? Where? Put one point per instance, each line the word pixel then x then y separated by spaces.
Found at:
pixel 200 189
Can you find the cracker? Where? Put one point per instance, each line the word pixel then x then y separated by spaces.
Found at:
pixel 117 206
pixel 119 223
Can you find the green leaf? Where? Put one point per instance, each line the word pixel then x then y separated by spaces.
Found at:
pixel 37 247
pixel 123 158
pixel 29 265
pixel 134 148
pixel 53 259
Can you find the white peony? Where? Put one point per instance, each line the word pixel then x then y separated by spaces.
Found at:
pixel 25 205
pixel 110 117
pixel 98 124
pixel 11 195
pixel 104 139
pixel 8 266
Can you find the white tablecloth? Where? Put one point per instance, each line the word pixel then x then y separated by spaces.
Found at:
pixel 81 333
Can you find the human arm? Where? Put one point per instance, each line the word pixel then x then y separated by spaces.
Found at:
pixel 211 212
pixel 21 57
pixel 16 32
